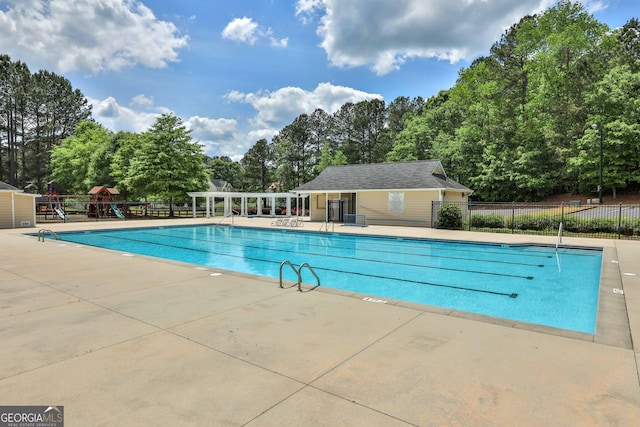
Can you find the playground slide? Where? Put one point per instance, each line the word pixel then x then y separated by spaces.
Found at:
pixel 116 211
pixel 61 213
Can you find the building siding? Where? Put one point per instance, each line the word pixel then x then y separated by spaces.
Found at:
pixel 24 209
pixel 22 206
pixel 374 205
pixel 5 210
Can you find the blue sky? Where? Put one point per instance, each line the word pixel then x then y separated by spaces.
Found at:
pixel 237 71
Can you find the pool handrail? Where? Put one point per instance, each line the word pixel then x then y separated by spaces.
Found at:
pixel 43 231
pixel 229 214
pixel 287 262
pixel 325 225
pixel 559 236
pixel 306 264
pixel 298 272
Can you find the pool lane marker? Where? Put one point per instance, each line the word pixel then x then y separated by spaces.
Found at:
pixel 429 255
pixel 438 285
pixel 510 295
pixel 330 256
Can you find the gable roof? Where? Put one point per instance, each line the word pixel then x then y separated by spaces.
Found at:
pixel 421 174
pixel 5 186
pixel 103 189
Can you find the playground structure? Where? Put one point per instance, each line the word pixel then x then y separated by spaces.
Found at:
pixel 50 203
pixel 103 203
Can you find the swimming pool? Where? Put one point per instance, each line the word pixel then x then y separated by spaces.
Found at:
pixel 527 283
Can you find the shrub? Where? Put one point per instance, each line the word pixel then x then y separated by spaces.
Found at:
pixel 450 217
pixel 487 221
pixel 533 222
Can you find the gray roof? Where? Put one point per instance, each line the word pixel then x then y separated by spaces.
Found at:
pixel 422 174
pixel 5 186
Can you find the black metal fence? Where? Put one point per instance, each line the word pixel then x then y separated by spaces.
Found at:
pixel 580 220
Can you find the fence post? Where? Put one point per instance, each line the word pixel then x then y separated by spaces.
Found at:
pixel 433 222
pixel 513 216
pixel 562 215
pixel 619 219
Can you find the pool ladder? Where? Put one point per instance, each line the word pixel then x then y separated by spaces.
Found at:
pixel 43 231
pixel 225 216
pixel 298 272
pixel 325 226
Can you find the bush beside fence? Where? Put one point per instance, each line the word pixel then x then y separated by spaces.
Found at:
pixel 606 221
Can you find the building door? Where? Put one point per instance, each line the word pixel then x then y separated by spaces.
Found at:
pixel 335 210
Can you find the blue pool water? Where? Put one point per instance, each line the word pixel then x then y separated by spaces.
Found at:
pixel 520 282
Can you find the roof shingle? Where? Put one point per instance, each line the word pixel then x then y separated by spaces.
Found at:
pixel 422 174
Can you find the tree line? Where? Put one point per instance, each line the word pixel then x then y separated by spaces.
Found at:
pixel 524 122
pixel 37 111
pixel 162 162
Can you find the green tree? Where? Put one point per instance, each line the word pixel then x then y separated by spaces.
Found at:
pixel 628 44
pixel 37 111
pixel 84 159
pixel 329 158
pixel 257 167
pixel 167 164
pixel 615 119
pixel 560 74
pixel 226 169
pixel 125 146
pixel 295 153
pixel 413 142
pixel 320 132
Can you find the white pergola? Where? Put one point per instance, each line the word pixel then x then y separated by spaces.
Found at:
pixel 262 200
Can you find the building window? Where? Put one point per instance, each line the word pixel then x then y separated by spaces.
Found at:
pixel 396 201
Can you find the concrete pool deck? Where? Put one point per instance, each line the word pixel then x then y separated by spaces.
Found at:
pixel 133 340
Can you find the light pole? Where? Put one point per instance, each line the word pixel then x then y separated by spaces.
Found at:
pixel 599 131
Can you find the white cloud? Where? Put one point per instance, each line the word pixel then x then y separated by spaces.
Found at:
pixel 87 35
pixel 246 30
pixel 242 30
pixel 383 34
pixel 306 8
pixel 219 137
pixel 216 135
pixel 279 108
pixel 142 101
pixel 279 43
pixel 117 117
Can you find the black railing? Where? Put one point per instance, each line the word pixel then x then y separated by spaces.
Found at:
pixel 580 220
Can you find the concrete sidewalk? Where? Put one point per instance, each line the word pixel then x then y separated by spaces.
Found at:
pixel 132 340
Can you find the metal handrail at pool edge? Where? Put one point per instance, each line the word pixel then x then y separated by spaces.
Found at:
pixel 298 272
